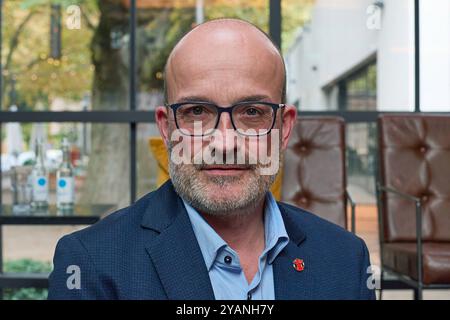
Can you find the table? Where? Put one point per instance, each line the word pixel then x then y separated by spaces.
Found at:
pixel 81 215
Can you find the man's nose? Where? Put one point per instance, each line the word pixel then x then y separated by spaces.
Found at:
pixel 225 122
pixel 224 139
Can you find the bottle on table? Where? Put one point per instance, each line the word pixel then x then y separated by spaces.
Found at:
pixel 65 182
pixel 39 177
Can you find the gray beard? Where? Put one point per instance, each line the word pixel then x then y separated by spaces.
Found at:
pixel 194 191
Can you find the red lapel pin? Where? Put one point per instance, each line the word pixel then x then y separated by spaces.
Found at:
pixel 298 264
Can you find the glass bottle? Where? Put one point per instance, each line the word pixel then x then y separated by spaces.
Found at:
pixel 65 182
pixel 39 179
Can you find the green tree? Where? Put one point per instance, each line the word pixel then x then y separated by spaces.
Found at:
pixel 26 61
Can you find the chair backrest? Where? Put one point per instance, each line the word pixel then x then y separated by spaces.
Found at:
pixel 314 168
pixel 414 155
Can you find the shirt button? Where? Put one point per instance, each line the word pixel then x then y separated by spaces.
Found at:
pixel 227 259
pixel 249 296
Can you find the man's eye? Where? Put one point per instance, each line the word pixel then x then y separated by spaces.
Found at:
pixel 196 110
pixel 252 112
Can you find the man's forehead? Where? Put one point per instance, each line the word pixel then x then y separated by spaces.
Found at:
pixel 202 63
pixel 230 32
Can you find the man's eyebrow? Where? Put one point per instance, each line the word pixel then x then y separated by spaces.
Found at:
pixel 251 98
pixel 194 98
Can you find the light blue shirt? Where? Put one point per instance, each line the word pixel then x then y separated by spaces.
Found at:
pixel 228 279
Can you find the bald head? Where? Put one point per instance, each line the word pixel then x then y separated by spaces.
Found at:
pixel 223 59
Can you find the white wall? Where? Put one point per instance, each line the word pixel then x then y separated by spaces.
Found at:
pixel 303 81
pixel 341 36
pixel 339 39
pixel 395 57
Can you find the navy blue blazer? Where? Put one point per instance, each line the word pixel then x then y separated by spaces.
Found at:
pixel 149 251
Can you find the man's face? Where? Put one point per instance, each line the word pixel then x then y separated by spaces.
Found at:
pixel 232 66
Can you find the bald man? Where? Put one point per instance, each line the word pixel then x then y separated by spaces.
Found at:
pixel 214 231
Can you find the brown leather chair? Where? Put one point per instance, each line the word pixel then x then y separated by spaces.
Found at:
pixel 414 198
pixel 314 175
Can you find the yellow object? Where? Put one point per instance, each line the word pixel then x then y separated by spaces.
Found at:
pixel 159 151
pixel 276 186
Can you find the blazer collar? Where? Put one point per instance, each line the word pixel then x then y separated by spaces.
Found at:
pixel 293 228
pixel 163 207
pixel 290 284
pixel 175 251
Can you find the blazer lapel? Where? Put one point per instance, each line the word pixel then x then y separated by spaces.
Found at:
pixel 289 283
pixel 175 252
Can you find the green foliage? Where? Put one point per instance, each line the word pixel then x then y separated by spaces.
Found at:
pixel 25 54
pixel 30 4
pixel 163 32
pixel 257 16
pixel 27 266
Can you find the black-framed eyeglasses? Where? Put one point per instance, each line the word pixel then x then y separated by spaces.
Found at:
pixel 249 118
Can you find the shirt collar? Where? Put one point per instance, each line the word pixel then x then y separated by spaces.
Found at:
pixel 209 241
pixel 275 232
pixel 276 237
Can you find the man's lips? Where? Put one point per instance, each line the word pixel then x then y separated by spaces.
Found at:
pixel 224 167
pixel 224 170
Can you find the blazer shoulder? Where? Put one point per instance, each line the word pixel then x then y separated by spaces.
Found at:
pixel 117 225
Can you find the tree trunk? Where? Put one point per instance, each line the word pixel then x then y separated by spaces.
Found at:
pixel 108 169
pixel 109 164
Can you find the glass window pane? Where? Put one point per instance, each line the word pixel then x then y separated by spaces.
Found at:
pixel 150 166
pixel 336 40
pixel 360 90
pixel 61 56
pixel 101 175
pixel 361 159
pixel 361 162
pixel 163 23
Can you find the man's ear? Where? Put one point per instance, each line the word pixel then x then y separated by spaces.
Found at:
pixel 288 120
pixel 162 120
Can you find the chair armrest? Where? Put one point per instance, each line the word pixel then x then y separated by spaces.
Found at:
pixel 353 206
pixel 399 193
pixel 418 203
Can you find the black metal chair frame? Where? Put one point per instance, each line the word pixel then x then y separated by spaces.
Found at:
pixel 352 207
pixel 418 284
